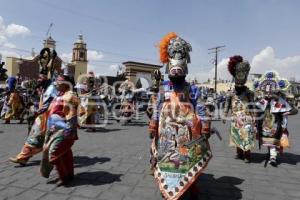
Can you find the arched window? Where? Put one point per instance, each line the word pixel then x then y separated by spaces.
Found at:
pixel 81 55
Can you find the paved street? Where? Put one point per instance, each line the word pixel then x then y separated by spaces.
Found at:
pixel 113 164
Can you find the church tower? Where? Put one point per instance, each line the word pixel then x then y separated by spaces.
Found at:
pixel 49 43
pixel 79 57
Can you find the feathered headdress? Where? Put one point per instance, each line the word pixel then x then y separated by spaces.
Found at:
pixel 271 82
pixel 163 47
pixel 233 61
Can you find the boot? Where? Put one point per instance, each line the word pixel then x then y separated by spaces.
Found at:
pixel 239 154
pixel 247 155
pixel 273 156
pixel 18 161
pixel 273 162
pixel 65 181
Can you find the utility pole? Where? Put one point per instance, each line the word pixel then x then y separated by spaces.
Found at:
pixel 216 50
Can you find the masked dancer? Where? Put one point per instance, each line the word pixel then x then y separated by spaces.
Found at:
pixel 61 132
pixel 181 151
pixel 271 93
pixel 241 104
pixel 35 140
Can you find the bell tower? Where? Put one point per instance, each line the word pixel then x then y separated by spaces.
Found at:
pixel 49 43
pixel 79 57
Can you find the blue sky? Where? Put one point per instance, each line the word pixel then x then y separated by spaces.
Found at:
pixel 265 32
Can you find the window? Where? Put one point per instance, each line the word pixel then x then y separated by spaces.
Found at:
pixel 81 55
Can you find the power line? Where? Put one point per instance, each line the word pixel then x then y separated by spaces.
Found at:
pixel 97 19
pixel 14 48
pixel 103 51
pixel 92 61
pixel 216 50
pixel 38 37
pixel 101 20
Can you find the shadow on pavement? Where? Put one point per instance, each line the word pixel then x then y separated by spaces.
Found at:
pixel 83 161
pixel 141 124
pixel 29 164
pixel 210 187
pixel 259 157
pixel 288 158
pixel 95 178
pixel 102 130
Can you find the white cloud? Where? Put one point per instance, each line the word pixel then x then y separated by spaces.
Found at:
pixel 8 31
pixel 91 56
pixel 9 45
pixel 100 70
pixel 16 30
pixel 96 69
pixel 11 30
pixel 210 74
pixel 66 57
pixel 114 67
pixel 94 55
pixel 6 53
pixel 3 39
pixel 264 61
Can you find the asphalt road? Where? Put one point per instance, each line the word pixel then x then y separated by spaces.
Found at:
pixel 112 163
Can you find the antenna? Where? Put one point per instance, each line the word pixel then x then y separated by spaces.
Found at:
pixel 48 31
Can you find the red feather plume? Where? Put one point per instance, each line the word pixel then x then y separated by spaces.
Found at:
pixel 233 61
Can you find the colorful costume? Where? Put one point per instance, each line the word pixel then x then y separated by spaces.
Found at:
pixel 272 124
pixel 241 102
pixel 60 135
pixel 127 108
pixel 88 107
pixel 13 104
pixel 180 150
pixel 35 139
pixel 156 81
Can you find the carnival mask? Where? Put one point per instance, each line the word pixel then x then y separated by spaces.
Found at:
pixel 178 51
pixel 46 59
pixel 241 73
pixel 270 84
pixel 239 69
pixel 156 79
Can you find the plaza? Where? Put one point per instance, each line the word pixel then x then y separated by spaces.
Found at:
pixel 113 164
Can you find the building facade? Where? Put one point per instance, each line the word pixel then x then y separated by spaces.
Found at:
pixel 136 70
pixel 29 68
pixel 79 58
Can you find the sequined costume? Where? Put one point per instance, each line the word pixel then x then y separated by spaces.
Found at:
pixel 240 102
pixel 271 90
pixel 181 151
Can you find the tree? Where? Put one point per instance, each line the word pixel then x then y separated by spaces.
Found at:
pixel 138 84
